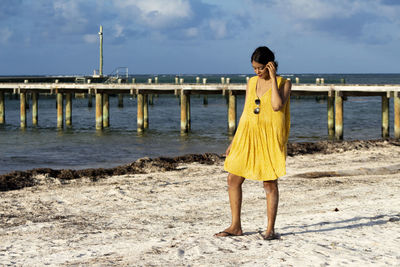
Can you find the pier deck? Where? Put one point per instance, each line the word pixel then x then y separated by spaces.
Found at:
pixel 215 88
pixel 333 92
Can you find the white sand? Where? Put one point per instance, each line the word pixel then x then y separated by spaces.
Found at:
pixel 164 219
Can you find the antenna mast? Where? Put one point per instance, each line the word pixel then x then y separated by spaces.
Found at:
pixel 101 51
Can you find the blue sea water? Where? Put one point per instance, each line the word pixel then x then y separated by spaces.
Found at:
pixel 81 146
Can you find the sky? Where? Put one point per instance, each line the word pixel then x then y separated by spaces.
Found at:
pixel 60 37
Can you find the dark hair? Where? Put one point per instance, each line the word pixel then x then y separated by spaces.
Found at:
pixel 263 55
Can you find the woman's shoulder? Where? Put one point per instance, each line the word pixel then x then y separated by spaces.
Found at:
pixel 282 80
pixel 252 80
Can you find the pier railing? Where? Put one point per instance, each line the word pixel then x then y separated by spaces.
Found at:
pixel 334 93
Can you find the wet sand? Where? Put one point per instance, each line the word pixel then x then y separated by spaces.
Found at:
pixel 338 206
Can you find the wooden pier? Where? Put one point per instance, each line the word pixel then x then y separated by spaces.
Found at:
pixel 143 91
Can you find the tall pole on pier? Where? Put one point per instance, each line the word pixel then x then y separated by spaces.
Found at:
pixel 101 51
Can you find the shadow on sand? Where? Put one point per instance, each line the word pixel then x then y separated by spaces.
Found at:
pixel 343 224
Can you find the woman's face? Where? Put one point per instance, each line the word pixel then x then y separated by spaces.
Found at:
pixel 260 69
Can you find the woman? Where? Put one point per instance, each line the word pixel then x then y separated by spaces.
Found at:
pixel 258 149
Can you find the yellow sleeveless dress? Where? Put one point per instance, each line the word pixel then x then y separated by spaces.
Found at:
pixel 258 149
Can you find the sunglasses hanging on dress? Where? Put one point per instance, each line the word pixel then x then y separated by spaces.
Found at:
pixel 257 109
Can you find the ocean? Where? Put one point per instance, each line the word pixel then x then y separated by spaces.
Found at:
pixel 81 146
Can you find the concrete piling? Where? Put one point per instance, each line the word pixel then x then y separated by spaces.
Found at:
pixel 385 116
pixel 106 111
pixel 22 100
pixel 90 100
pixel 338 115
pixel 60 110
pixel 151 96
pixel 205 97
pixel 331 114
pixel 184 112
pixel 2 109
pixel 145 111
pixel 397 115
pixel 177 95
pixel 68 109
pixel 140 117
pixel 26 96
pixel 205 100
pixel 232 113
pixel 151 99
pixel 27 101
pixel 120 97
pixel 226 81
pixel 146 108
pixel 120 100
pixel 188 110
pixel 35 116
pixel 99 111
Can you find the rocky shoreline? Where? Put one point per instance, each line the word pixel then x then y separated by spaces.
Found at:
pixel 20 179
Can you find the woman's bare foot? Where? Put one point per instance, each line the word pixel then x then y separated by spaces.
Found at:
pixel 269 235
pixel 229 232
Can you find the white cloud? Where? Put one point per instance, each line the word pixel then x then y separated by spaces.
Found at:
pixel 346 19
pixel 155 13
pixel 5 34
pixel 70 11
pixel 218 27
pixel 389 12
pixel 191 32
pixel 158 36
pixel 317 9
pixel 118 31
pixel 324 9
pixel 90 38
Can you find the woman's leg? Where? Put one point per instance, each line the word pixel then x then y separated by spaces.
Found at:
pixel 235 198
pixel 271 189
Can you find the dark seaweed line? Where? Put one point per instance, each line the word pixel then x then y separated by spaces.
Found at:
pixel 20 179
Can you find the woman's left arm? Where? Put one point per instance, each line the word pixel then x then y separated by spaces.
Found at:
pixel 278 97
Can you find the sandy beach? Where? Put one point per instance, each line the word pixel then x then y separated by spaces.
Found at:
pixel 336 209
